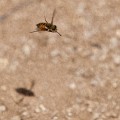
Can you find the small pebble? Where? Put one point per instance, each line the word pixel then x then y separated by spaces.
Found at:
pixel 2 108
pixel 42 107
pixel 69 112
pixel 72 86
pixel 14 65
pixel 3 88
pixel 96 116
pixel 26 50
pixel 79 72
pixel 52 40
pixel 103 117
pixel 55 61
pixel 90 110
pixel 80 8
pixel 117 107
pixel 118 33
pixel 37 110
pixel 116 59
pixel 55 53
pixel 109 97
pixel 16 118
pixel 114 103
pixel 55 118
pixel 94 82
pixel 114 84
pixel 67 40
pixel 69 50
pixel 111 114
pixel 83 108
pixel 113 42
pixel 25 113
pixel 3 63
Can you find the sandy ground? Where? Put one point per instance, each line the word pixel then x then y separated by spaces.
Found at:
pixel 76 75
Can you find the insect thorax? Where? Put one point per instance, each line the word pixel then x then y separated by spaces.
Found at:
pixel 51 27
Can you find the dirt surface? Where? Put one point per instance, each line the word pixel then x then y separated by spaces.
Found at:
pixel 76 76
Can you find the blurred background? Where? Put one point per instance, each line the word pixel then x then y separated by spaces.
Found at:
pixel 76 75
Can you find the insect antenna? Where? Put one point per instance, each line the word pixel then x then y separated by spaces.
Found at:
pixel 53 16
pixel 34 31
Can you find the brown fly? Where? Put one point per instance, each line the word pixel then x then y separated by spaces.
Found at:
pixel 50 27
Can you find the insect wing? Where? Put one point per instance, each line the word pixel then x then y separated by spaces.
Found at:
pixel 53 16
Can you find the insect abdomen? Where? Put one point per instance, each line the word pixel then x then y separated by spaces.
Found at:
pixel 41 26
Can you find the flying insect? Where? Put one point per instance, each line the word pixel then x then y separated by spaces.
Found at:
pixel 50 27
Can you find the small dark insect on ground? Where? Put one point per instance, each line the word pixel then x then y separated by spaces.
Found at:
pixel 25 92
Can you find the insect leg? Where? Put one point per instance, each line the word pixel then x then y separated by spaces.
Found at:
pixel 32 84
pixel 18 101
pixel 58 33
pixel 34 31
pixel 45 19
